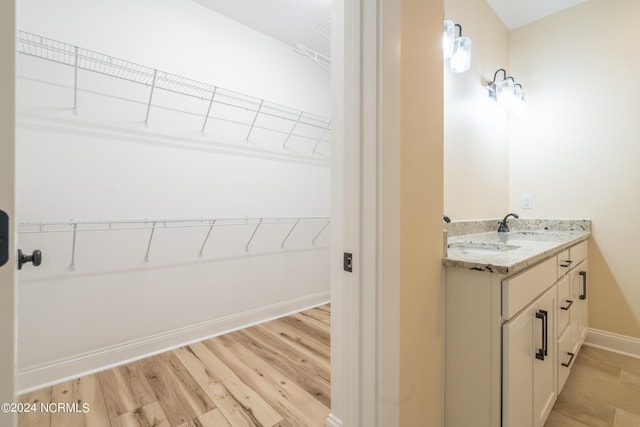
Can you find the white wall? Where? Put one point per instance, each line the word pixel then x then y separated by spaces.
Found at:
pixel 475 131
pixel 577 150
pixel 104 163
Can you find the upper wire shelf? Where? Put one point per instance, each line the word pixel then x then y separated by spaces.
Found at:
pixel 316 44
pixel 147 223
pixel 84 59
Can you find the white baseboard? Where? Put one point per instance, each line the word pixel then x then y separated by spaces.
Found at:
pixel 622 344
pixel 333 421
pixel 57 371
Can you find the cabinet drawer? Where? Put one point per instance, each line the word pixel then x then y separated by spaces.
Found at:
pixel 565 304
pixel 518 291
pixel 578 253
pixel 564 262
pixel 571 257
pixel 566 355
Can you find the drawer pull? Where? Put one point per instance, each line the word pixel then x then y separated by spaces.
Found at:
pixel 569 304
pixel 566 263
pixel 571 355
pixel 584 284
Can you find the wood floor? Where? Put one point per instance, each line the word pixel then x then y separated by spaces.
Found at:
pixel 273 374
pixel 603 389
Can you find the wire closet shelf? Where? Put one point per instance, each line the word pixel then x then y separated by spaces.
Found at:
pixel 84 59
pixel 316 44
pixel 76 227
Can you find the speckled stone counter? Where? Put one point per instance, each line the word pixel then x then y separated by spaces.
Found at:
pixel 528 242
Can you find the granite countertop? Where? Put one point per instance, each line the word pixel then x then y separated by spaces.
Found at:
pixel 528 242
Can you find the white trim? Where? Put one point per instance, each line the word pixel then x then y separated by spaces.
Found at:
pixel 8 272
pixel 57 371
pixel 333 421
pixel 357 373
pixel 346 326
pixel 369 195
pixel 610 341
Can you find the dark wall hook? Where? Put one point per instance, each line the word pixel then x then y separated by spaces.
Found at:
pixel 35 258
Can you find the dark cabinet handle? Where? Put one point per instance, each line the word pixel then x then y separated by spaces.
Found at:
pixel 545 335
pixel 569 304
pixel 571 355
pixel 584 284
pixel 542 352
pixel 35 258
pixel 4 238
pixel 566 263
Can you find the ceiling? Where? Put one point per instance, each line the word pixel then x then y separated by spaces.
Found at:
pixel 516 13
pixel 286 20
pixel 290 21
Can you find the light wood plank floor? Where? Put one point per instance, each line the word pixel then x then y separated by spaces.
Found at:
pixel 273 374
pixel 603 389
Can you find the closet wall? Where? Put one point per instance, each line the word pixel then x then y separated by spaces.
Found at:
pixel 95 301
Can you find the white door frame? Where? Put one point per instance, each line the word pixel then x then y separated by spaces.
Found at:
pixel 7 204
pixel 364 331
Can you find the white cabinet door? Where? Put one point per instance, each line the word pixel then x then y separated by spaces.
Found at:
pixel 529 370
pixel 544 370
pixel 580 289
pixel 518 352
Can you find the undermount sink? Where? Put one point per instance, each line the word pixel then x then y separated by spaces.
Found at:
pixel 482 248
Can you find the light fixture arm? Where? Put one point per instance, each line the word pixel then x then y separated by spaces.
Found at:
pixel 460 27
pixel 495 76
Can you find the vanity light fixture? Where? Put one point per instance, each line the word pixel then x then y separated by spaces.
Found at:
pixel 448 34
pixel 456 49
pixel 507 92
pixel 461 56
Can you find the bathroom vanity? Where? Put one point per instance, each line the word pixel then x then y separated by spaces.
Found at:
pixel 515 318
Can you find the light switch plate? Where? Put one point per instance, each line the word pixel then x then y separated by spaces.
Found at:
pixel 527 201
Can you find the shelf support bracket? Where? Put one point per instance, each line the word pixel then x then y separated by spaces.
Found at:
pixel 254 120
pixel 153 85
pixel 324 132
pixel 246 248
pixel 292 129
pixel 75 81
pixel 313 242
pixel 72 266
pixel 153 228
pixel 289 233
pixel 207 237
pixel 213 95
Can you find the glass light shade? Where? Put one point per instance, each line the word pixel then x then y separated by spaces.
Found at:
pixel 517 96
pixel 504 93
pixel 521 106
pixel 447 38
pixel 461 56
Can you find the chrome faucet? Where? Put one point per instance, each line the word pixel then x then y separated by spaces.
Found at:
pixel 504 227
